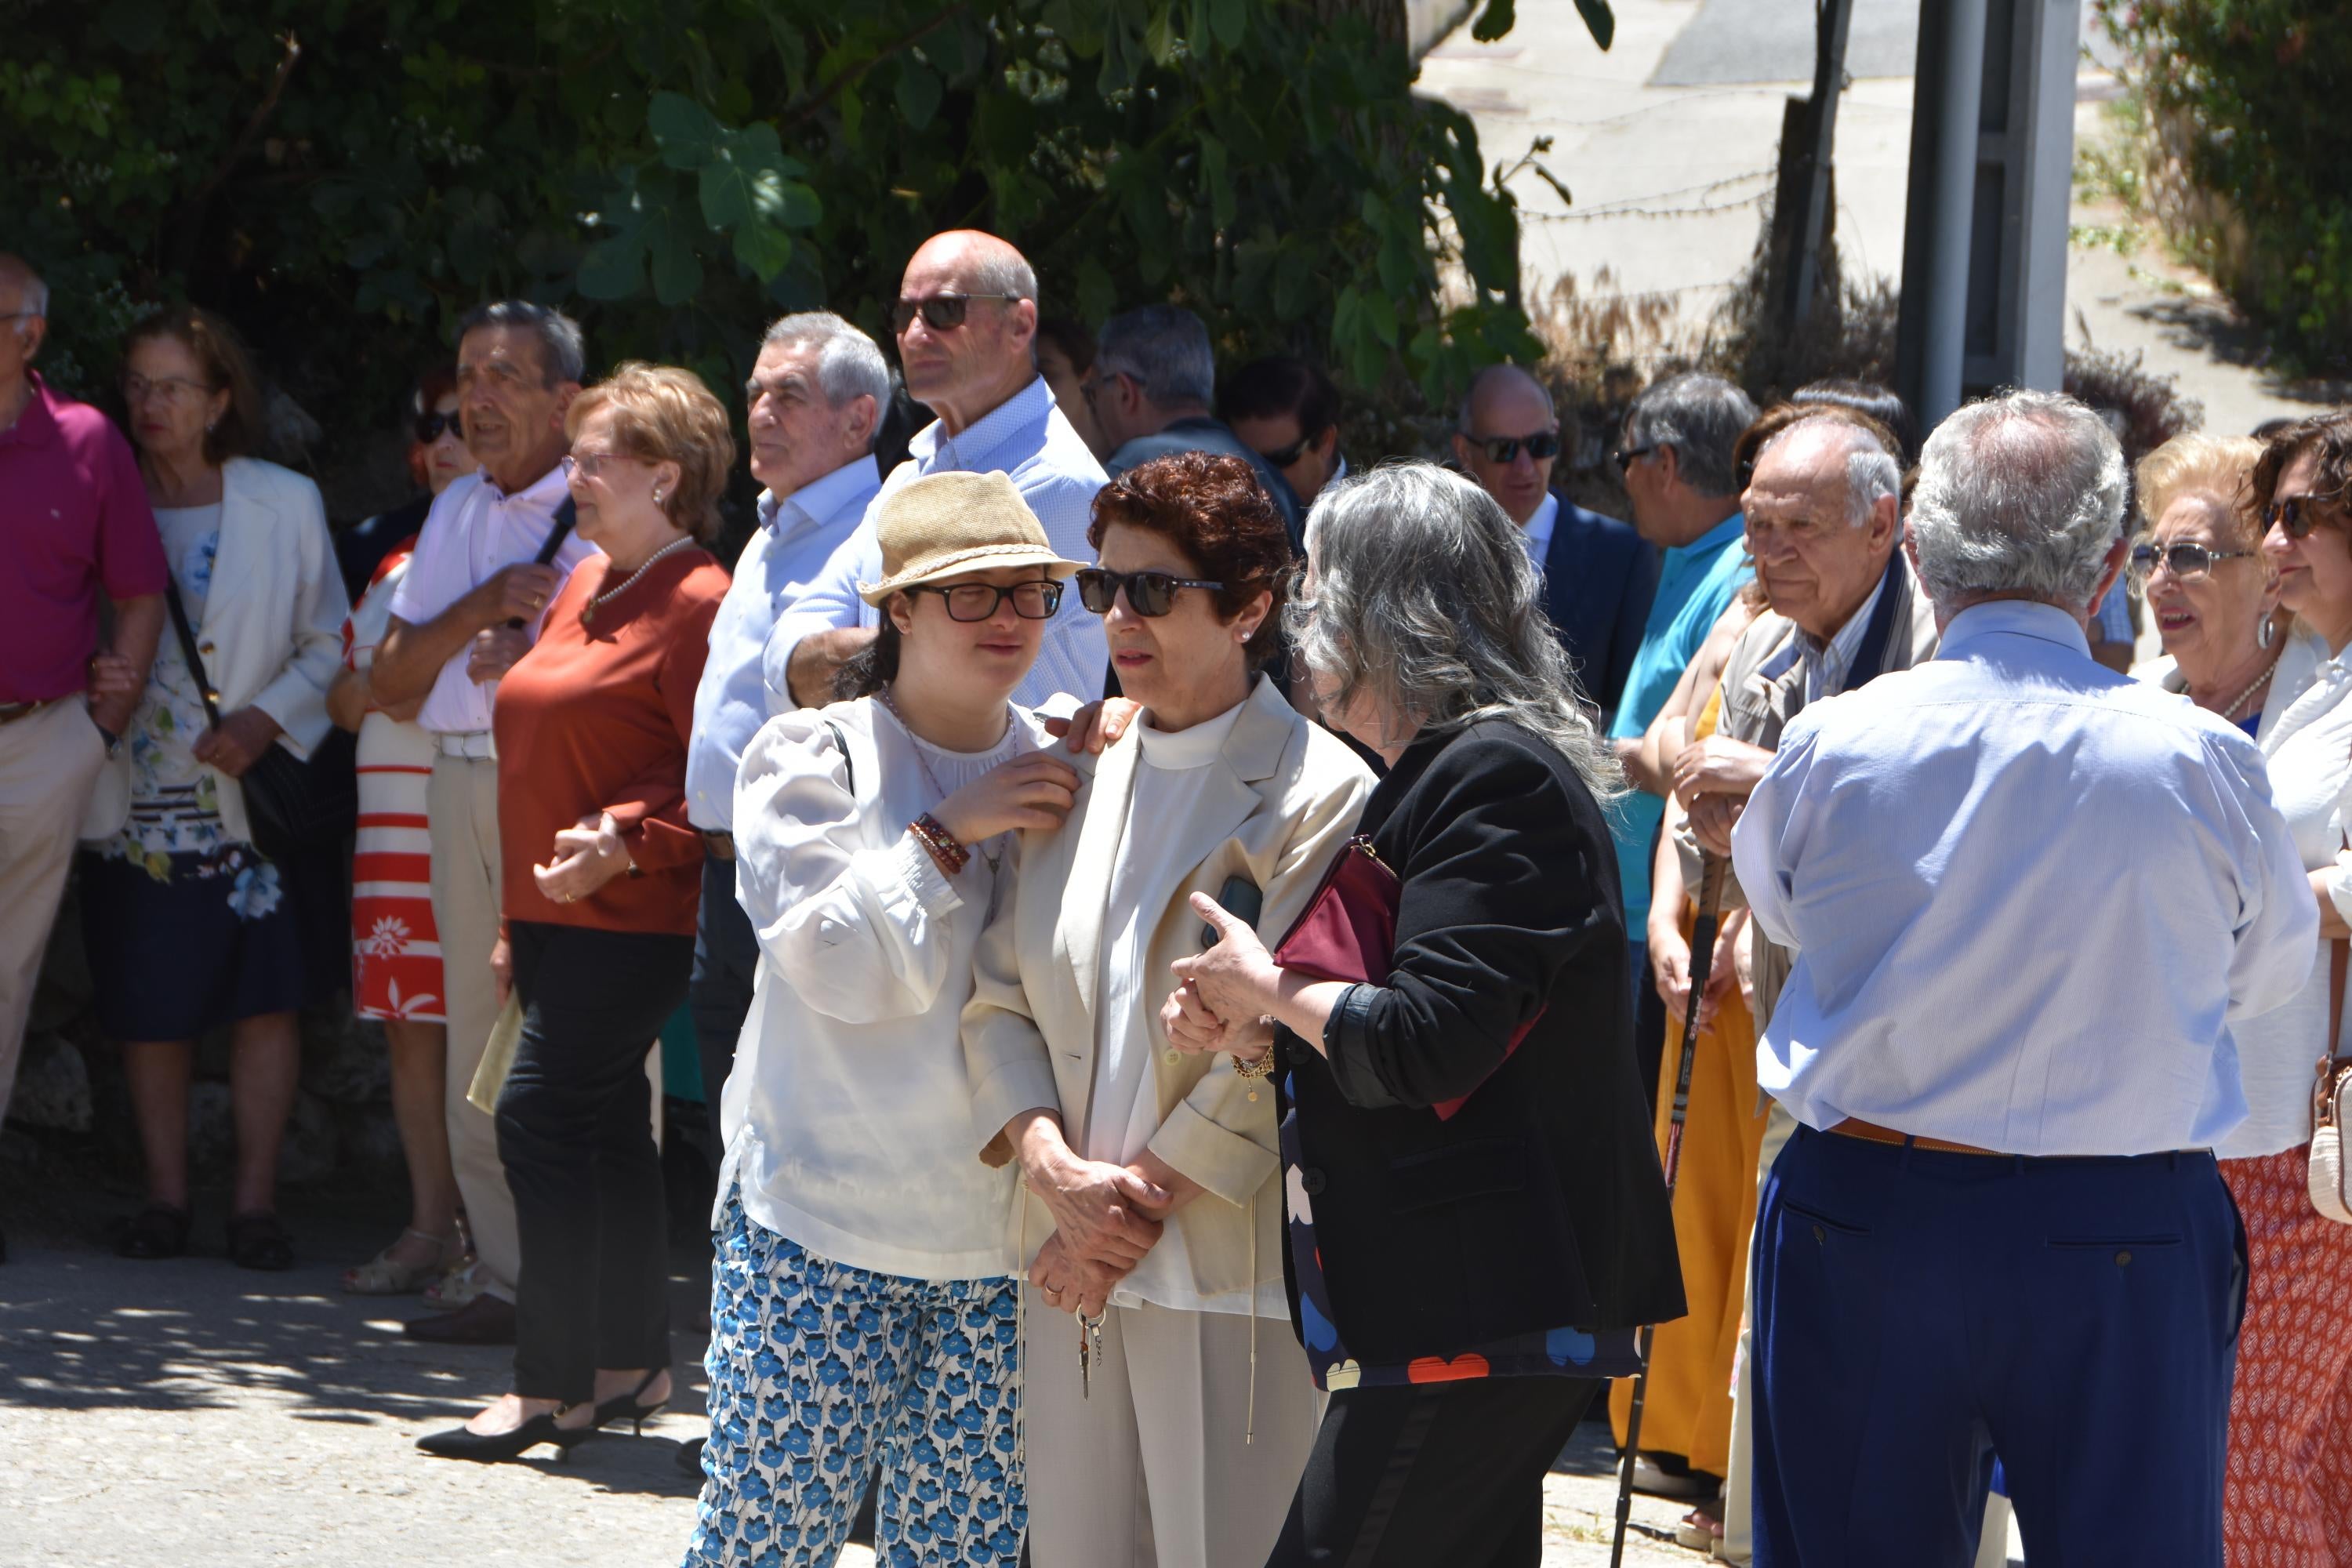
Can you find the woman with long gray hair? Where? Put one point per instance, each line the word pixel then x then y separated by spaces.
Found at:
pixel 1475 1217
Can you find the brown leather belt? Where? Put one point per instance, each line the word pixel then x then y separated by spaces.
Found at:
pixel 719 845
pixel 12 712
pixel 1871 1132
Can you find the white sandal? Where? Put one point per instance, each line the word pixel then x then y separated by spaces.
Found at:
pixel 385 1275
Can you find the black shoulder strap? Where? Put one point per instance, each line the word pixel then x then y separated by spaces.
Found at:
pixel 565 516
pixel 188 647
pixel 848 763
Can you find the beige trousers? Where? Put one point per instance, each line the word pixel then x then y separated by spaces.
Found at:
pixel 1148 1467
pixel 462 807
pixel 48 762
pixel 1738 1499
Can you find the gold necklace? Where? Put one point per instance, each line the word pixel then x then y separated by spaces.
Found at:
pixel 938 793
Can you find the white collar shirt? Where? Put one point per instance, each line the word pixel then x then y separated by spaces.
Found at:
pixel 1827 664
pixel 1538 531
pixel 2028 899
pixel 796 537
pixel 474 532
pixel 1029 440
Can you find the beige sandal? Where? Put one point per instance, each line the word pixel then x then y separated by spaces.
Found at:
pixel 384 1275
pixel 458 1287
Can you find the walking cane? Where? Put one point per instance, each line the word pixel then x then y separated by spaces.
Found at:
pixel 1710 912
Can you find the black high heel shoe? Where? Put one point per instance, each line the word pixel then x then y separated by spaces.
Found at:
pixel 628 1408
pixel 458 1442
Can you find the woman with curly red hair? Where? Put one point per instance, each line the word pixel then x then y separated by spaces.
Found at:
pixel 1153 1213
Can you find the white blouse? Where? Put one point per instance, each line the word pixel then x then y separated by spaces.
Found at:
pixel 848 1114
pixel 1123 1112
pixel 2306 741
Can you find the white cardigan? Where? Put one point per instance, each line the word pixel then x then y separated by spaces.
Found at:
pixel 272 634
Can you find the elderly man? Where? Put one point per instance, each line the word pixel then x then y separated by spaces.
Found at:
pixel 1998 1228
pixel 967 325
pixel 1288 412
pixel 1150 387
pixel 1600 575
pixel 74 527
pixel 814 398
pixel 496 548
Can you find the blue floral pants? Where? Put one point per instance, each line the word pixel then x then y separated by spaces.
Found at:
pixel 820 1371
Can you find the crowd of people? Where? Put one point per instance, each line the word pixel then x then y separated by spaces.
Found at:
pixel 1203 960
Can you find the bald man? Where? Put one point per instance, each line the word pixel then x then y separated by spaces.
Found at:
pixel 74 527
pixel 966 322
pixel 1599 573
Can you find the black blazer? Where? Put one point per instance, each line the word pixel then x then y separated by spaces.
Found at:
pixel 1541 1203
pixel 1598 579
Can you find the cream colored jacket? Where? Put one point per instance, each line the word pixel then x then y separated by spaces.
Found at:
pixel 1279 802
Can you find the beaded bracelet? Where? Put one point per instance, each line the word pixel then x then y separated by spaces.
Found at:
pixel 950 857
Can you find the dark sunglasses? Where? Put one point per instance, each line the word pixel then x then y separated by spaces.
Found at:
pixel 940 313
pixel 2295 513
pixel 979 600
pixel 1147 593
pixel 1282 456
pixel 2180 560
pixel 1503 449
pixel 430 426
pixel 1626 456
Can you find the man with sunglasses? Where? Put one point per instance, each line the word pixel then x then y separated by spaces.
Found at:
pixel 1288 412
pixel 74 527
pixel 1150 387
pixel 1600 575
pixel 966 322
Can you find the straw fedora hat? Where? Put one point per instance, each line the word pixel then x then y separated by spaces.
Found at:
pixel 943 525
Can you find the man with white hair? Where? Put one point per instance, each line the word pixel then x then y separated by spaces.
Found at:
pixel 814 398
pixel 2028 896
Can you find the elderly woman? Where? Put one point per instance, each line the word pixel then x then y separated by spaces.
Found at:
pixel 395 948
pixel 189 926
pixel 1161 1415
pixel 602 876
pixel 857 1237
pixel 1477 1223
pixel 2288 1494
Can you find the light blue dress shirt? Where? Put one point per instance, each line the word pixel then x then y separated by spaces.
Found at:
pixel 2029 897
pixel 1696 583
pixel 796 538
pixel 1027 438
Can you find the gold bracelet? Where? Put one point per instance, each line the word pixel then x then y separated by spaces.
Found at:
pixel 1262 1067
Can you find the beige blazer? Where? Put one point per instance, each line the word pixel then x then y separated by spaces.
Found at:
pixel 272 632
pixel 1279 802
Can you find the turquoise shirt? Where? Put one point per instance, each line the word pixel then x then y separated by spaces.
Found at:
pixel 1695 584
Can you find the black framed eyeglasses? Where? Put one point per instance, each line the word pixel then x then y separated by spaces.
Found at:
pixel 1626 456
pixel 940 313
pixel 2296 514
pixel 1543 444
pixel 429 427
pixel 1147 593
pixel 2182 559
pixel 977 601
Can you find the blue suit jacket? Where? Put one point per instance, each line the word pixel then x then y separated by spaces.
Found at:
pixel 1198 432
pixel 1598 579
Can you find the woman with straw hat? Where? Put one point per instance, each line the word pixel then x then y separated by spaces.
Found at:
pixel 864 1300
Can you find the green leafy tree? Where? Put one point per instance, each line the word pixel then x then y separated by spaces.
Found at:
pixel 344 177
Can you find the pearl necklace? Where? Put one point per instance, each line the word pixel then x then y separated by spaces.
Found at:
pixel 996 860
pixel 609 595
pixel 2229 710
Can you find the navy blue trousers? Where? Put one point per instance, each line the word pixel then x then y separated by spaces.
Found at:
pixel 726 960
pixel 1918 1312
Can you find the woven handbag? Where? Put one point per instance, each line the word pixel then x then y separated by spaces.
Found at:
pixel 2331 1108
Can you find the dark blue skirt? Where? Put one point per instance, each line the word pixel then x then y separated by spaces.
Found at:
pixel 226 935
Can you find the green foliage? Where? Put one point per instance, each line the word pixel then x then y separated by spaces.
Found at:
pixel 2253 92
pixel 344 177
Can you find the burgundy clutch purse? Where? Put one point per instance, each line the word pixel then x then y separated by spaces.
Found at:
pixel 1348 932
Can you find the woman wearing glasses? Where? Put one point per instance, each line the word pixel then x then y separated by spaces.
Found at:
pixel 1160 1408
pixel 600 881
pixel 863 1305
pixel 2244 528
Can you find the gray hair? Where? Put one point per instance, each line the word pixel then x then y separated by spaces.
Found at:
pixel 33 292
pixel 2018 494
pixel 849 364
pixel 1165 348
pixel 1487 377
pixel 1005 272
pixel 1701 417
pixel 562 350
pixel 1425 598
pixel 1872 474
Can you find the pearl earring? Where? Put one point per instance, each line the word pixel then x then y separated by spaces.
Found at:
pixel 656 495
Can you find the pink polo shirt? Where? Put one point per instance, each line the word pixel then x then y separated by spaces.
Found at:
pixel 74 523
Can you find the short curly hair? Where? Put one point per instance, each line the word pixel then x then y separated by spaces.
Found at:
pixel 664 414
pixel 2220 467
pixel 2329 436
pixel 1214 509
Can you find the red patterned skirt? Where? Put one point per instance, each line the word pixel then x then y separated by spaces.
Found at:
pixel 2288 1498
pixel 395 947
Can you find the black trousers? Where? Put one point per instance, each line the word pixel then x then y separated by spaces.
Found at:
pixel 575 1134
pixel 1431 1473
pixel 726 959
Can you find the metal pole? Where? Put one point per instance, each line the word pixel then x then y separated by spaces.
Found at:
pixel 1710 913
pixel 1945 351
